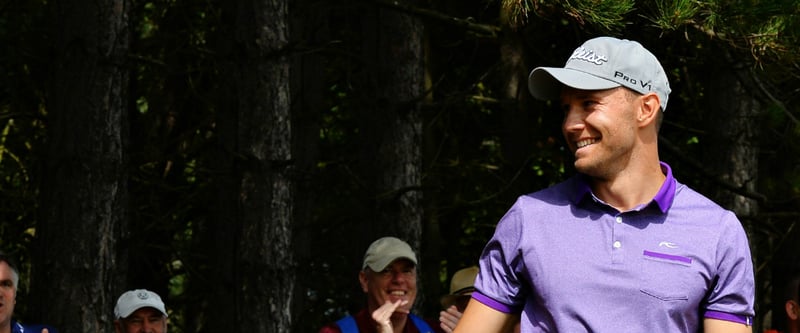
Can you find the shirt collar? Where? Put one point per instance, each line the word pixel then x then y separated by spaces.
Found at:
pixel 663 198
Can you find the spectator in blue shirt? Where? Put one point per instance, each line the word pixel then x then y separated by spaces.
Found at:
pixel 388 278
pixel 9 283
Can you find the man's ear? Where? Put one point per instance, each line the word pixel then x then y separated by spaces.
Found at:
pixel 792 310
pixel 649 108
pixel 362 279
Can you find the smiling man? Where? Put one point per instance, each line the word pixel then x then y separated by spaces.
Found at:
pixel 622 246
pixel 388 277
pixel 140 311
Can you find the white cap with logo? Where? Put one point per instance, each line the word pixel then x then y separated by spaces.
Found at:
pixel 133 300
pixel 603 63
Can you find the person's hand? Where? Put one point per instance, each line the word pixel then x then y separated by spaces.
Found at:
pixel 448 319
pixel 383 315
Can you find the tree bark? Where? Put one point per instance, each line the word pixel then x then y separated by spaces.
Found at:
pixel 733 147
pixel 510 82
pixel 256 131
pixel 77 268
pixel 392 127
pixel 310 29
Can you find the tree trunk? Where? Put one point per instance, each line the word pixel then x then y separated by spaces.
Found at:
pixel 84 190
pixel 310 29
pixel 511 83
pixel 394 75
pixel 392 160
pixel 733 150
pixel 256 130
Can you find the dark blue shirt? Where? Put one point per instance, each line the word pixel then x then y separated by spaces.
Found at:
pixel 19 328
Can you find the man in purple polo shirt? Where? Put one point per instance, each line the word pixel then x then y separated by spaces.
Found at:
pixel 622 246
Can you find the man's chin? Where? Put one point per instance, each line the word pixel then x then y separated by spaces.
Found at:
pixel 583 166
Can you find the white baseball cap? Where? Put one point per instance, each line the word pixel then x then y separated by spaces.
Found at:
pixel 133 300
pixel 384 251
pixel 603 63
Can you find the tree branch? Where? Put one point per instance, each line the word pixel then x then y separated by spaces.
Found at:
pixel 490 31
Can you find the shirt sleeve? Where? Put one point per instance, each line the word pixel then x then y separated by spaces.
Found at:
pixel 733 295
pixel 498 283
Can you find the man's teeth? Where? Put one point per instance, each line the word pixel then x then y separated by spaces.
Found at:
pixel 586 142
pixel 398 293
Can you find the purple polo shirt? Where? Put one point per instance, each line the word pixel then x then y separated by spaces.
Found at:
pixel 571 263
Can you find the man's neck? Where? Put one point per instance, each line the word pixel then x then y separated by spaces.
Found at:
pixel 794 327
pixel 630 188
pixel 5 327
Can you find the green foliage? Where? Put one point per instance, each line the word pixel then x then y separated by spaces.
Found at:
pixel 768 29
pixel 672 15
pixel 608 16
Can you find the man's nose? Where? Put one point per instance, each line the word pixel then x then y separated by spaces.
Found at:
pixel 572 118
pixel 398 276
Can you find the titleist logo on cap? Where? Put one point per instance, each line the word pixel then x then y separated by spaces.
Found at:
pixel 588 55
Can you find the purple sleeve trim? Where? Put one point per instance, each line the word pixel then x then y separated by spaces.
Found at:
pixel 492 303
pixel 747 320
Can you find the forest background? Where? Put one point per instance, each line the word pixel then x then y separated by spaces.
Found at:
pixel 237 157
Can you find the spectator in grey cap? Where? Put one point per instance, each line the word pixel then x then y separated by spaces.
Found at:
pixel 622 246
pixel 388 277
pixel 140 311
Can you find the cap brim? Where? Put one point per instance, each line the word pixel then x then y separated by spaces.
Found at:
pixel 381 265
pixel 130 311
pixel 545 82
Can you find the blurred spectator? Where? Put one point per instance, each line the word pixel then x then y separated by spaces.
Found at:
pixel 388 277
pixel 140 310
pixel 9 283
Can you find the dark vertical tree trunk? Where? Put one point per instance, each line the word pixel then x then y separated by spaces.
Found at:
pixel 77 267
pixel 310 30
pixel 510 81
pixel 733 150
pixel 392 160
pixel 393 128
pixel 255 131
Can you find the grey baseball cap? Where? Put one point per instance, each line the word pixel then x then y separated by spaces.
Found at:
pixel 603 63
pixel 384 251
